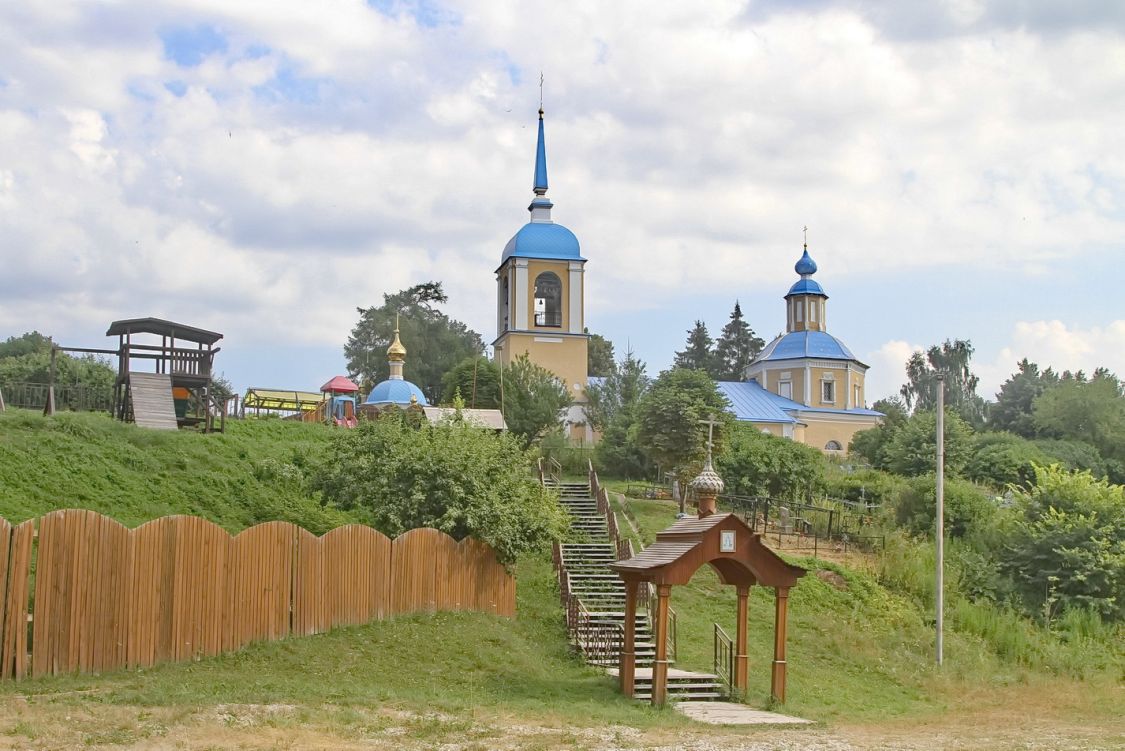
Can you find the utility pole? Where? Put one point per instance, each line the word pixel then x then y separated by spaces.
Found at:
pixel 939 532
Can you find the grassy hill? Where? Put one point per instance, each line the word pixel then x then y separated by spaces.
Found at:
pixel 247 475
pixel 860 654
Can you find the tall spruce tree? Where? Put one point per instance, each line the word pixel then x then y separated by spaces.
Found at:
pixel 697 353
pixel 736 347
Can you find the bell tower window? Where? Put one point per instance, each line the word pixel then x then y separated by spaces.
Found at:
pixel 548 300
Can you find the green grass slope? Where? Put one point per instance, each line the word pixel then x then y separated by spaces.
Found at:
pixel 249 474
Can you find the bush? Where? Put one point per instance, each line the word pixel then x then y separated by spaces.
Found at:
pixel 967 506
pixel 1002 459
pixel 755 463
pixel 1065 545
pixel 912 449
pixel 453 477
pixel 870 486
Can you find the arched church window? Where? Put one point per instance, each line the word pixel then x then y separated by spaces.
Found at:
pixel 548 300
pixel 833 446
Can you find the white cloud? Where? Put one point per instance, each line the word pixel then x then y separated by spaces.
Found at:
pixel 1057 345
pixel 326 157
pixel 888 369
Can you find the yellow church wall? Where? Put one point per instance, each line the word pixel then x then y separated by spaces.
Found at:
pixel 566 358
pixel 818 432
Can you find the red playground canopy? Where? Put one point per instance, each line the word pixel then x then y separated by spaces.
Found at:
pixel 339 385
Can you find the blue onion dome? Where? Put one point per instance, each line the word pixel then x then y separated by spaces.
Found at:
pixel 397 391
pixel 806 266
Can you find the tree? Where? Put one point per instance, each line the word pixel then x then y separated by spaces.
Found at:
pixel 1066 544
pixel 476 379
pixel 871 444
pixel 620 391
pixel 669 414
pixel 599 356
pixel 434 341
pixel 612 409
pixel 1085 410
pixel 533 399
pixel 453 477
pixel 1002 459
pixel 951 359
pixel 27 359
pixel 1014 408
pixel 736 347
pixel 755 463
pixel 911 451
pixel 697 354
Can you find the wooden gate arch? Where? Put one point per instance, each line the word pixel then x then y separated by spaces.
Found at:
pixel 738 555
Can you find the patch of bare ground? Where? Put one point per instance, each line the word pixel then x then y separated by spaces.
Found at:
pixel 1021 719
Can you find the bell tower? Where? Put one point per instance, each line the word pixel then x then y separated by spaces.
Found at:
pixel 539 292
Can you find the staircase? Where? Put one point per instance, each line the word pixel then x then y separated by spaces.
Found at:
pixel 594 596
pixel 150 399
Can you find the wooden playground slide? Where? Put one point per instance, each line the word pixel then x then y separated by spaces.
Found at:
pixel 151 398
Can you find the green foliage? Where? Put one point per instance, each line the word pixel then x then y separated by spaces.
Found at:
pixel 951 359
pixel 967 506
pixel 736 347
pixel 599 356
pixel 453 477
pixel 1092 411
pixel 668 418
pixel 1073 455
pixel 912 449
pixel 533 399
pixel 27 359
pixel 1002 459
pixel 477 379
pixel 697 354
pixel 255 472
pixel 869 486
pixel 434 341
pixel 1065 546
pixel 1014 408
pixel 619 392
pixel 757 464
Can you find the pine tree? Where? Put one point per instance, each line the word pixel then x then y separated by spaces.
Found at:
pixel 737 346
pixel 697 354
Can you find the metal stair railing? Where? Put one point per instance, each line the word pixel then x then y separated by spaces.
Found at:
pixel 724 659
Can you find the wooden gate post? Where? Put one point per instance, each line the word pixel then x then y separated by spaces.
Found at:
pixel 2 407
pixel 627 666
pixel 781 614
pixel 742 660
pixel 660 664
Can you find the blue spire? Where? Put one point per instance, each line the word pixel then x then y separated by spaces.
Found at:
pixel 540 161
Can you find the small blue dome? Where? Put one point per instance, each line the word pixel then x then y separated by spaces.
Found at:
pixel 806 287
pixel 543 240
pixel 806 265
pixel 395 391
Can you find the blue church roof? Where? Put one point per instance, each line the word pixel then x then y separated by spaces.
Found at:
pixel 796 344
pixel 805 264
pixel 752 403
pixel 396 391
pixel 543 240
pixel 806 287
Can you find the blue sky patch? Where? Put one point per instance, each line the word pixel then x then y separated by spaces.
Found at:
pixel 426 13
pixel 177 88
pixel 188 46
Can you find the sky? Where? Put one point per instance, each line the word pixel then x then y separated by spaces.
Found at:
pixel 262 169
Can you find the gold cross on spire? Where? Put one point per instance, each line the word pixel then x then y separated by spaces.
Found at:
pixel 540 92
pixel 806 230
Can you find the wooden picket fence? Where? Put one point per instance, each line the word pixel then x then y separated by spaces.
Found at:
pixel 87 594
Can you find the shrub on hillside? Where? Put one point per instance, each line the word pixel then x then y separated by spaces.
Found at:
pixel 967 506
pixel 1001 459
pixel 453 477
pixel 911 451
pixel 869 486
pixel 755 463
pixel 1064 544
